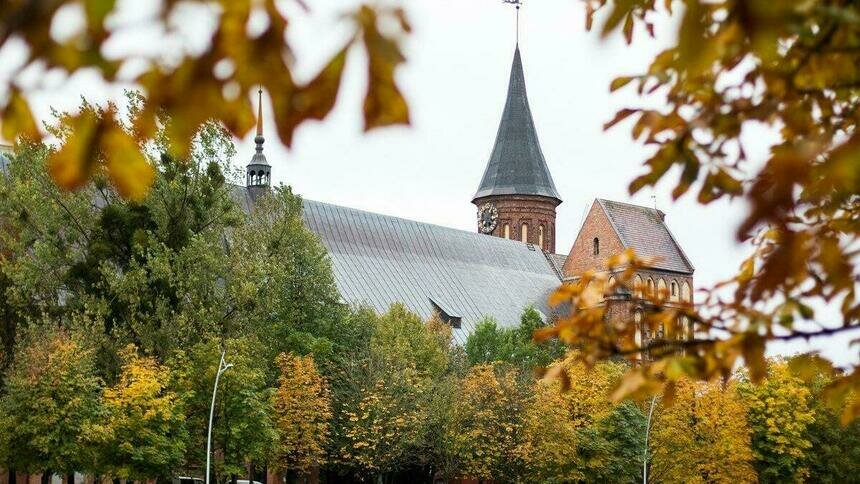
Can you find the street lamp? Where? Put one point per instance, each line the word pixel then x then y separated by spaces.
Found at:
pixel 222 367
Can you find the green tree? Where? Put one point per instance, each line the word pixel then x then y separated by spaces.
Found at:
pixel 489 343
pixel 243 428
pixel 142 435
pixel 778 413
pixel 51 400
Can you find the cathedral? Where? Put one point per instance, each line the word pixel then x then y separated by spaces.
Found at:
pixel 510 261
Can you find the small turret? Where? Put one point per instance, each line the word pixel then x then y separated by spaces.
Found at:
pixel 258 173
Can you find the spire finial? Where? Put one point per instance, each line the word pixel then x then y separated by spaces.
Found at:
pixel 517 4
pixel 260 111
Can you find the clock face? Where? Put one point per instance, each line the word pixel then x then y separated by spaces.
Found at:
pixel 488 216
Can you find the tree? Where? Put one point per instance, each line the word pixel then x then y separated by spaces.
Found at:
pixel 164 273
pixel 302 406
pixel 701 436
pixel 50 402
pixel 778 413
pixel 484 428
pixel 834 452
pixel 489 343
pixel 243 429
pixel 382 396
pixel 142 435
pixel 188 84
pixel 577 433
pixel 790 67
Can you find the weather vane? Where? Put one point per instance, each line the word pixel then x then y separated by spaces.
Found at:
pixel 517 3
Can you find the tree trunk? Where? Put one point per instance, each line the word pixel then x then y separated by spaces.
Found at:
pixel 46 477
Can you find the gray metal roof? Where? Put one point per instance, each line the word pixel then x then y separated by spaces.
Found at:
pixel 644 230
pixel 379 260
pixel 517 165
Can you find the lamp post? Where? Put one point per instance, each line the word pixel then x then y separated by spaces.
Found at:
pixel 222 367
pixel 647 433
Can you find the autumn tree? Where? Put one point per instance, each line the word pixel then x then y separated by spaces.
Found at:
pixel 187 84
pixel 485 426
pixel 51 400
pixel 142 434
pixel 787 67
pixel 701 436
pixel 578 433
pixel 382 396
pixel 778 412
pixel 302 406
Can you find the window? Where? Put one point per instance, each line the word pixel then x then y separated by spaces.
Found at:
pixel 540 236
pixel 524 233
pixel 685 292
pixel 596 246
pixel 637 328
pixel 637 285
pixel 507 231
pixel 674 292
pixel 650 288
pixel 661 288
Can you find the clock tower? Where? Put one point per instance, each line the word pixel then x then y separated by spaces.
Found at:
pixel 517 198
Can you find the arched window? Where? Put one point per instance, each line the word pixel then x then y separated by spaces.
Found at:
pixel 674 290
pixel 524 233
pixel 637 286
pixel 685 292
pixel 596 246
pixel 650 288
pixel 661 288
pixel 507 231
pixel 540 235
pixel 637 328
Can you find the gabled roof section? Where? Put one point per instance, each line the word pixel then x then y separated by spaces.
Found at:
pixel 517 165
pixel 644 230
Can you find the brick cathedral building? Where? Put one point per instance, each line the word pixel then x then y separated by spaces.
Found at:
pixel 510 261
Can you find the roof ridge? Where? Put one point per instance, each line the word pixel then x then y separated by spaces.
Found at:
pixel 630 204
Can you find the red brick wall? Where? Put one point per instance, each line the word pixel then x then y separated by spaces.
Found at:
pixel 581 256
pixel 516 210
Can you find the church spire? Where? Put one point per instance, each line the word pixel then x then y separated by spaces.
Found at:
pixel 258 172
pixel 517 165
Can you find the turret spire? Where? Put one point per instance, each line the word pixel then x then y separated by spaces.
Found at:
pixel 258 171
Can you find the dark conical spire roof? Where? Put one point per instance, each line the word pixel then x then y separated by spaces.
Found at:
pixel 517 165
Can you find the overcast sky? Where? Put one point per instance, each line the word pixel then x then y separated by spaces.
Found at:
pixel 455 79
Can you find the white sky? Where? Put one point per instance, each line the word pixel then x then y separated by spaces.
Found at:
pixel 455 79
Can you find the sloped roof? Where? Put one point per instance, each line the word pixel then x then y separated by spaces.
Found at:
pixel 644 230
pixel 379 260
pixel 517 165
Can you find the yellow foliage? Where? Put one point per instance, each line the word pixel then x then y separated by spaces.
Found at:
pixel 302 405
pixel 703 436
pixel 483 431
